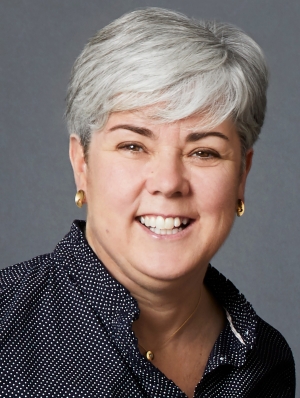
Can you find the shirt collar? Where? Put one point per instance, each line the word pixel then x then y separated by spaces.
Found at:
pixel 239 334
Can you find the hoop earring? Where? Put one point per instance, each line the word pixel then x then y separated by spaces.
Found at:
pixel 79 198
pixel 240 210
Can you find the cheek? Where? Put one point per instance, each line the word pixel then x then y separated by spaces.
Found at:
pixel 113 187
pixel 216 190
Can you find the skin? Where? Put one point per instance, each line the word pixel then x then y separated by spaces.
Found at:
pixel 137 167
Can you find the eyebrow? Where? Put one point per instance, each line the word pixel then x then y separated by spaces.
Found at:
pixel 192 137
pixel 139 130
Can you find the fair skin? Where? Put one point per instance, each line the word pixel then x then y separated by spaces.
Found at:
pixel 139 168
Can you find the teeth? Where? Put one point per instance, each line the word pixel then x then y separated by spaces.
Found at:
pixel 160 222
pixel 158 231
pixel 169 223
pixel 177 222
pixel 152 222
pixel 164 226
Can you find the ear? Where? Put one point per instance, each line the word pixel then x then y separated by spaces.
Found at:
pixel 78 162
pixel 242 185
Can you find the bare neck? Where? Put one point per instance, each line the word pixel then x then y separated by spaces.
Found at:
pixel 162 314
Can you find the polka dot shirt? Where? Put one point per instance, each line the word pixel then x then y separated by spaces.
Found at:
pixel 65 331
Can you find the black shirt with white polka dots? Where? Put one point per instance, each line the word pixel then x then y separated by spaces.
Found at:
pixel 65 331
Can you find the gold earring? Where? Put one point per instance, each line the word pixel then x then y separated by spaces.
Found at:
pixel 240 210
pixel 79 198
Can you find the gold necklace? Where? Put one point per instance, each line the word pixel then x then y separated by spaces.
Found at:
pixel 150 354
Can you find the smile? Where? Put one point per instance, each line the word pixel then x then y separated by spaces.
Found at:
pixel 164 226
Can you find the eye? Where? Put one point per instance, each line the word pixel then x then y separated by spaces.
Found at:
pixel 205 154
pixel 131 147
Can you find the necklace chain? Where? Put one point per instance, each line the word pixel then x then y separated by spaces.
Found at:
pixel 149 354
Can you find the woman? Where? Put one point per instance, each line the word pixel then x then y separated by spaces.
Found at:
pixel 163 112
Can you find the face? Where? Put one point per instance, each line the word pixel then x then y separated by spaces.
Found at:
pixel 161 198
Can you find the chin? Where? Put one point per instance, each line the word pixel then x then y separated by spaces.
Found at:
pixel 166 271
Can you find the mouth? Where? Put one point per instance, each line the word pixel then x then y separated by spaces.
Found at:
pixel 165 226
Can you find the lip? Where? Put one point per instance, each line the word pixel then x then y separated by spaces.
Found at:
pixel 178 235
pixel 164 215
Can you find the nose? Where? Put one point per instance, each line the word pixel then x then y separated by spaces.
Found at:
pixel 168 175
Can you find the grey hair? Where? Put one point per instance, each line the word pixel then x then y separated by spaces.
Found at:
pixel 161 58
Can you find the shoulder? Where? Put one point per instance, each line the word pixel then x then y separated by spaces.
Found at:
pixel 43 267
pixel 273 359
pixel 270 344
pixel 14 275
pixel 24 291
pixel 272 350
pixel 21 285
pixel 33 287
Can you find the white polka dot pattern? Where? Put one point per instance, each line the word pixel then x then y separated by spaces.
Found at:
pixel 65 331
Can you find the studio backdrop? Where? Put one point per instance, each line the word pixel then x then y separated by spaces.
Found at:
pixel 39 42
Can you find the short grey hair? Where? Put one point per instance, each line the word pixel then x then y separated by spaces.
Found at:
pixel 183 66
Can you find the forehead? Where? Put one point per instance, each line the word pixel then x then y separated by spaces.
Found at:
pixel 148 117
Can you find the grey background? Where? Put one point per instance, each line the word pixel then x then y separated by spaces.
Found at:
pixel 39 42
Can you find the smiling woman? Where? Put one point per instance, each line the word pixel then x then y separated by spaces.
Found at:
pixel 163 112
pixel 165 173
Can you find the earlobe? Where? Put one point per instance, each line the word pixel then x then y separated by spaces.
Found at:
pixel 78 163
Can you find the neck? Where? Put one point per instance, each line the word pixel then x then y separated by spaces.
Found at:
pixel 168 312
